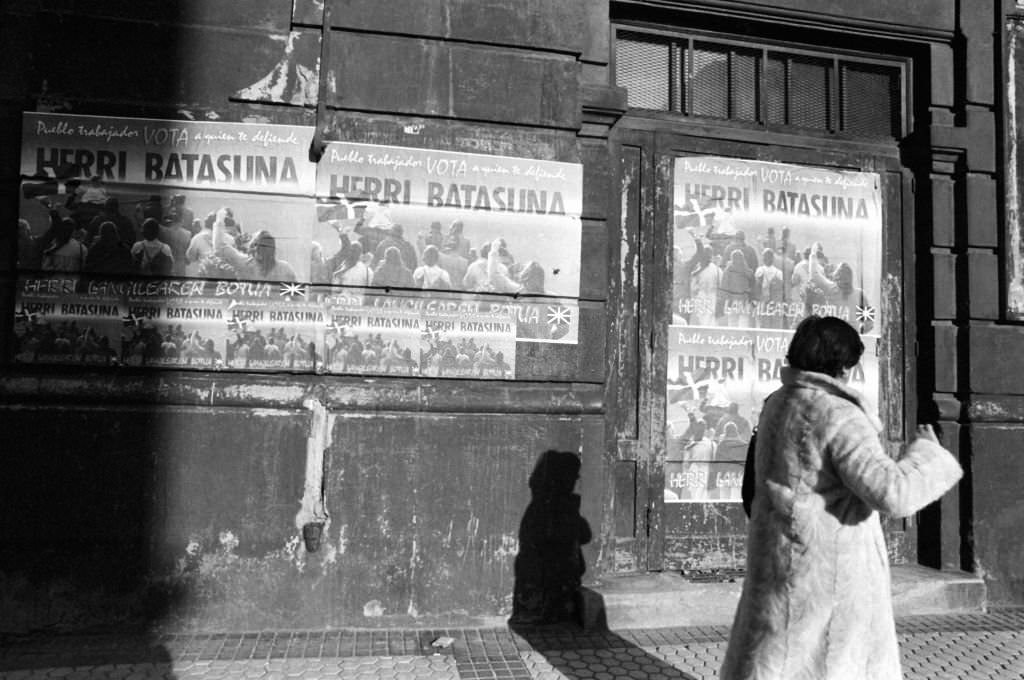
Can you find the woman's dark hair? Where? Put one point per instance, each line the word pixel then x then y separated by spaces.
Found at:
pixel 824 345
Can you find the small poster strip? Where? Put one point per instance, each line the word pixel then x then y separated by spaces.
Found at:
pixel 174 332
pixel 361 340
pixel 274 333
pixel 469 346
pixel 54 323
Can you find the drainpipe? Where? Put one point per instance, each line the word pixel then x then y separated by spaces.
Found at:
pixel 319 144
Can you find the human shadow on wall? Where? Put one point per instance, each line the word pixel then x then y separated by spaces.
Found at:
pixel 548 596
pixel 549 567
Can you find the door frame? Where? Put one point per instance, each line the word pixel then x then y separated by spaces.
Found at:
pixel 653 142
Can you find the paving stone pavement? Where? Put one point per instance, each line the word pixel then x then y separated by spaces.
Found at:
pixel 962 646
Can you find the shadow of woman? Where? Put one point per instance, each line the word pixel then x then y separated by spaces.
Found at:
pixel 548 593
pixel 549 567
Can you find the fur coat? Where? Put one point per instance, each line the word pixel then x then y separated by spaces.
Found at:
pixel 816 602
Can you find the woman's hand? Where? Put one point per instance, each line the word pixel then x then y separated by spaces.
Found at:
pixel 926 432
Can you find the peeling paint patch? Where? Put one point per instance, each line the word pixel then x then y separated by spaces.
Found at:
pixel 290 81
pixel 373 609
pixel 627 267
pixel 330 555
pixel 508 547
pixel 343 539
pixel 987 409
pixel 312 505
pixel 257 393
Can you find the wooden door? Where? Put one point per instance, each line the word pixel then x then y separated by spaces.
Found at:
pixel 688 513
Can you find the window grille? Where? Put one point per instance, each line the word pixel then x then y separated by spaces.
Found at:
pixel 645 65
pixel 729 80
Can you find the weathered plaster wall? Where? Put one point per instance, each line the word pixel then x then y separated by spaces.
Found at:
pixel 185 517
pixel 171 498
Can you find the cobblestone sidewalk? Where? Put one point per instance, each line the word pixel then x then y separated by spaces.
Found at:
pixel 967 646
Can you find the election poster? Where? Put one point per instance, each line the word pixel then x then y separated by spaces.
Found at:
pixel 274 333
pixel 171 331
pixel 757 247
pixel 57 323
pixel 718 379
pixel 405 334
pixel 761 245
pixel 363 340
pixel 469 346
pixel 144 197
pixel 454 221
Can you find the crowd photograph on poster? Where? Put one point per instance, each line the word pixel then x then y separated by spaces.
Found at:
pixel 443 249
pixel 451 221
pixel 139 231
pixel 58 325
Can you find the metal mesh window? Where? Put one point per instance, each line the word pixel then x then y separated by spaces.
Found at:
pixel 709 81
pixel 644 64
pixel 775 88
pixel 735 81
pixel 744 81
pixel 869 100
pixel 807 90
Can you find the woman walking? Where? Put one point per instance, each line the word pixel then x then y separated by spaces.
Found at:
pixel 816 602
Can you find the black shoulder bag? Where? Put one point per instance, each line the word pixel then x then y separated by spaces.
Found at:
pixel 747 490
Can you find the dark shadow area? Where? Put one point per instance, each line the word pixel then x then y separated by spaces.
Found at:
pixel 548 597
pixel 76 556
pixel 580 654
pixel 80 484
pixel 549 567
pixel 139 653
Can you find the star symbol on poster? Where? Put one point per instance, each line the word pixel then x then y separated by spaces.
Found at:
pixel 865 313
pixel 559 319
pixel 290 290
pixel 26 316
pixel 234 325
pixel 130 321
pixel 558 315
pixel 334 327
